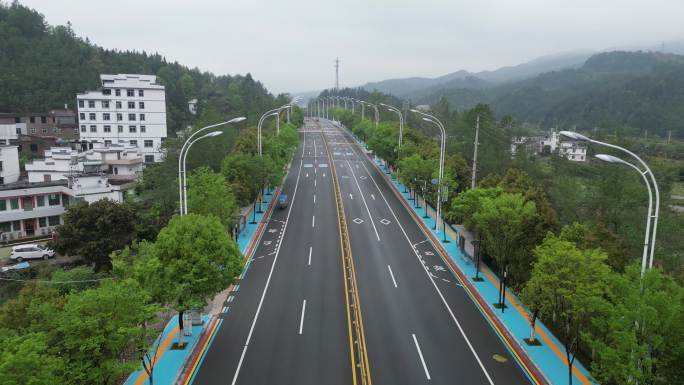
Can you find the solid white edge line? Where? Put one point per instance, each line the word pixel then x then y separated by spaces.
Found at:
pixel 268 280
pixel 451 313
pixel 420 354
pixel 392 275
pixel 310 250
pixel 364 201
pixel 301 320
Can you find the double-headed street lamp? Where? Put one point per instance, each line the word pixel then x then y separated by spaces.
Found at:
pixel 435 121
pixel 375 108
pixel 652 211
pixel 273 112
pixel 401 120
pixel 182 175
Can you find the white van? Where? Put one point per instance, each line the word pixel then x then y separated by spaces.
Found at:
pixel 30 251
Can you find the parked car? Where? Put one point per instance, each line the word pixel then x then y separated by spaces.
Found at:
pixel 30 251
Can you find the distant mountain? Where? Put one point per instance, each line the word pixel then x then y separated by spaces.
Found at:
pixel 417 86
pixel 642 90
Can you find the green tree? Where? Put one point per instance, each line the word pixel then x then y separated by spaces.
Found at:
pixel 469 202
pixel 97 329
pixel 208 194
pixel 192 260
pixel 501 220
pixel 93 231
pixel 25 360
pixel 566 288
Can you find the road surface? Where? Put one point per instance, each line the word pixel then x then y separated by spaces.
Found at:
pixel 288 323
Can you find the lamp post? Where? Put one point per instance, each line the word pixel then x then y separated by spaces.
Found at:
pixel 273 112
pixel 181 166
pixel 649 214
pixel 401 130
pixel 580 137
pixel 184 195
pixel 375 108
pixel 435 121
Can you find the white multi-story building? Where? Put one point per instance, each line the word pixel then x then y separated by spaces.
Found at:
pixel 9 164
pixel 129 109
pixel 572 150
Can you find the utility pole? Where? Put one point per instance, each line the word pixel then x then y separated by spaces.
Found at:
pixel 337 73
pixel 477 132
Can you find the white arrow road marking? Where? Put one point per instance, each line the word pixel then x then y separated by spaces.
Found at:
pixel 351 196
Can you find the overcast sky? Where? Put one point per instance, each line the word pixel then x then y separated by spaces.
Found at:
pixel 291 45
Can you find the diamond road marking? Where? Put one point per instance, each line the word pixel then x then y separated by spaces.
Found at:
pixel 358 221
pixel 266 243
pixel 362 177
pixel 385 222
pixel 438 268
pixel 429 253
pixel 272 230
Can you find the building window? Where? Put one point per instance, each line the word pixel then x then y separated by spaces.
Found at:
pixel 107 128
pixel 118 104
pixel 43 119
pixel 81 104
pixel 133 142
pixel 143 129
pixel 117 92
pixel 33 130
pixel 131 117
pixel 106 91
pixel 40 200
pixel 53 199
pixel 3 205
pixel 149 158
pixel 149 143
pixel 130 93
pixel 55 130
pixel 5 227
pixel 32 119
pixel 105 116
pixel 108 143
pixel 141 93
pixel 91 104
pixel 105 104
pixel 81 116
pixel 142 117
pixel 131 105
pixel 45 130
pixel 14 203
pixel 83 128
pixel 141 105
pixel 47 178
pixel 92 116
pixel 53 220
pixel 132 129
pixel 42 222
pixel 93 128
pixel 119 128
pixel 34 147
pixel 119 117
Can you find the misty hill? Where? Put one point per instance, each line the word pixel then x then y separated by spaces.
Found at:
pixel 642 90
pixel 43 67
pixel 417 86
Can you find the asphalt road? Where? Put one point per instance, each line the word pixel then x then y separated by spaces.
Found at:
pixel 270 335
pixel 287 323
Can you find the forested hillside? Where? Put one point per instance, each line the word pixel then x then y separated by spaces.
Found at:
pixel 44 67
pixel 637 90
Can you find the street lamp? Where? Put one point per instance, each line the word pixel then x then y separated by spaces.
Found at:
pixel 579 137
pixel 401 120
pixel 377 115
pixel 435 121
pixel 649 214
pixel 181 165
pixel 184 195
pixel 273 112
